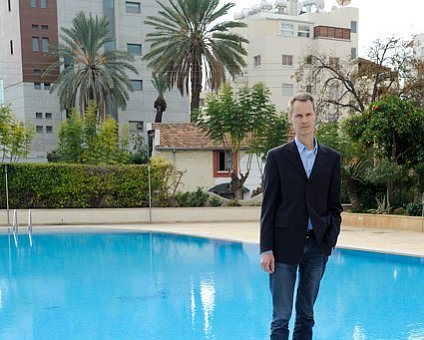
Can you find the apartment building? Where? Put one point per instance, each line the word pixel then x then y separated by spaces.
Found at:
pixel 28 31
pixel 282 34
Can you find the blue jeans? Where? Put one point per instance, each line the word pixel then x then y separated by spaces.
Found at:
pixel 282 282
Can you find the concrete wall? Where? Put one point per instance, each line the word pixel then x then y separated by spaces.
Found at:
pixel 43 217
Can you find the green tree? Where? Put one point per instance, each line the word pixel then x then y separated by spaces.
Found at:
pixel 190 41
pixel 392 129
pixel 160 84
pixel 238 122
pixel 82 141
pixel 90 71
pixel 354 161
pixel 15 137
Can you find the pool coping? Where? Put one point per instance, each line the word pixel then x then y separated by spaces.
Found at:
pixel 398 242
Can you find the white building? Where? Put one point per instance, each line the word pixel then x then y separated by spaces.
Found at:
pixel 28 29
pixel 418 45
pixel 283 34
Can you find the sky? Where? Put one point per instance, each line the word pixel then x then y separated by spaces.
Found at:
pixel 378 19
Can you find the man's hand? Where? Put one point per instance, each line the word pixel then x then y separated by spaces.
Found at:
pixel 268 262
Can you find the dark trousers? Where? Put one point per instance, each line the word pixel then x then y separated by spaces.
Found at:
pixel 282 284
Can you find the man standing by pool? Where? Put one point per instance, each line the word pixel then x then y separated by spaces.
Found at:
pixel 300 220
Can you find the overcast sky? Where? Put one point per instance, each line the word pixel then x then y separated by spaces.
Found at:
pixel 377 18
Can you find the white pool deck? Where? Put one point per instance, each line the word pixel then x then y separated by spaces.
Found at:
pixel 387 240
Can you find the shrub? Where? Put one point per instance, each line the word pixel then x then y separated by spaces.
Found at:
pixel 233 203
pixel 215 201
pixel 192 199
pixel 55 185
pixel 414 209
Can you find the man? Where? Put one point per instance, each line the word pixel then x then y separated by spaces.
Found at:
pixel 300 220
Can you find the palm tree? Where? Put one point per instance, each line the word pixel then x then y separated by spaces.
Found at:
pixel 159 83
pixel 89 70
pixel 188 42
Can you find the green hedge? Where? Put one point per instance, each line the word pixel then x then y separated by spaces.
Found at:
pixel 54 185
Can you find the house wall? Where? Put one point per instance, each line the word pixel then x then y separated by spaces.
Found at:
pixel 198 169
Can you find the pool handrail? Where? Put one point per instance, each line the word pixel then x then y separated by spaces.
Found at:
pixel 15 227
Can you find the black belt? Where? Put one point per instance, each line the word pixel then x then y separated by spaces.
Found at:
pixel 310 233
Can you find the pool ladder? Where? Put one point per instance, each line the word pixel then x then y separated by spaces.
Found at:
pixel 15 227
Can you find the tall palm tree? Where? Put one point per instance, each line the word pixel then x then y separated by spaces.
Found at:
pixel 89 70
pixel 189 41
pixel 159 83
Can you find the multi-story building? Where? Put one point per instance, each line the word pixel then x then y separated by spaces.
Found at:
pixel 282 35
pixel 28 31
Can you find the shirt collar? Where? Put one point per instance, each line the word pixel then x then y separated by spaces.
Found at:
pixel 301 147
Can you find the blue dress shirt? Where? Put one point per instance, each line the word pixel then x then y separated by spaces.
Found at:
pixel 308 160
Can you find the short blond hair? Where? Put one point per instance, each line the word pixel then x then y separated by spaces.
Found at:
pixel 301 97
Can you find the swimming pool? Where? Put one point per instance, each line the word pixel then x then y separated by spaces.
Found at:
pixel 159 286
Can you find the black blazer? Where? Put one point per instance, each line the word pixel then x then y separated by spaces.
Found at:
pixel 290 197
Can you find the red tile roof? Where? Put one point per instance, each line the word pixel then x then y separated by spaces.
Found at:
pixel 184 136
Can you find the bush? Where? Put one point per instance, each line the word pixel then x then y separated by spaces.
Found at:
pixel 215 202
pixel 233 203
pixel 55 185
pixel 414 209
pixel 192 199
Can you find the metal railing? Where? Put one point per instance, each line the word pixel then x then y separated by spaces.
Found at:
pixel 15 227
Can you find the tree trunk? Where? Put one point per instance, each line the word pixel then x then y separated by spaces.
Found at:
pixel 236 184
pixel 390 191
pixel 196 85
pixel 353 194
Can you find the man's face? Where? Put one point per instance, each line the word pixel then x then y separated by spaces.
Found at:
pixel 303 118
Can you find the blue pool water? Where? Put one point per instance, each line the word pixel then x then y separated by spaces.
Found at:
pixel 158 286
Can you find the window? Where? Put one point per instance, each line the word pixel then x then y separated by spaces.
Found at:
pixel 308 89
pixel 136 126
pixel 49 129
pixel 222 163
pixel 309 60
pixel 257 60
pixel 37 86
pixel 287 60
pixel 422 52
pixel 8 5
pixel 137 85
pixel 134 48
pixel 287 90
pixel 33 3
pixel 49 115
pixel 353 26
pixel 35 45
pixel 39 115
pixel 303 31
pixel 47 86
pixel 45 44
pixel 110 46
pixel 286 30
pixel 43 4
pixel 132 7
pixel 11 46
pixel 108 3
pixel 353 53
pixel 37 72
pixel 39 128
pixel 44 27
pixel 34 27
pixel 333 61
